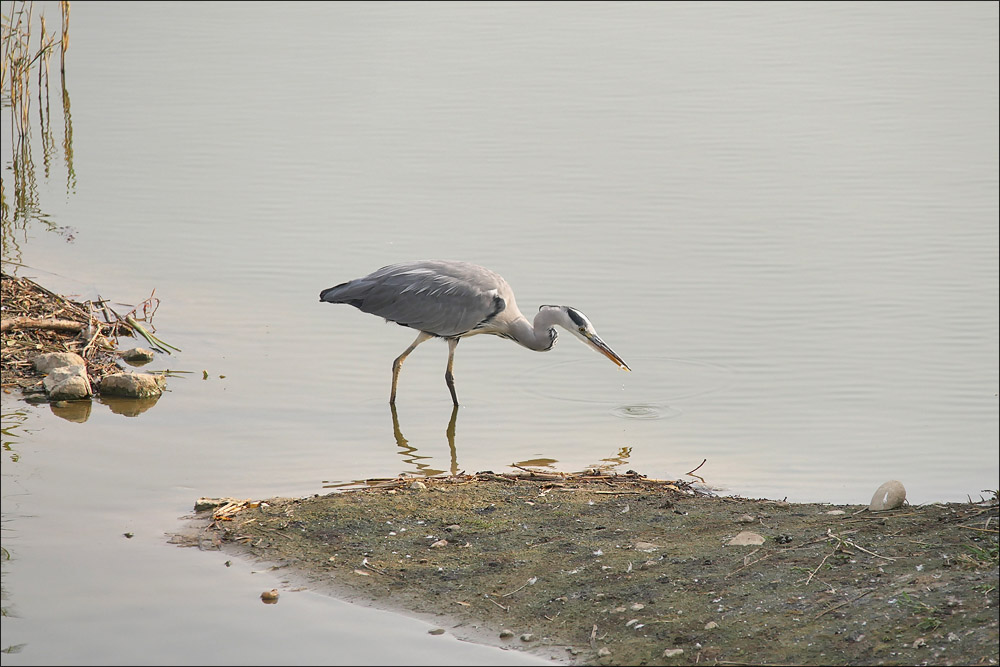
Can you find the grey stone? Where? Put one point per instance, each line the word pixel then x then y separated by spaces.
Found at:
pixel 46 362
pixel 138 355
pixel 67 383
pixel 132 385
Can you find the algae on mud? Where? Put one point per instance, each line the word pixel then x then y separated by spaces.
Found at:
pixel 611 569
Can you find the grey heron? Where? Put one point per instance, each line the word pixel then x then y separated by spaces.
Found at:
pixel 453 300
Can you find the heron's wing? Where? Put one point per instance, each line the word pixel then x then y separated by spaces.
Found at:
pixel 442 298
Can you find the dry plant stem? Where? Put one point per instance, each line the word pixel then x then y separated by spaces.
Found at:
pixel 703 461
pixel 813 573
pixel 860 548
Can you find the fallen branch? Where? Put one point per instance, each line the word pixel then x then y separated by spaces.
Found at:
pixel 66 326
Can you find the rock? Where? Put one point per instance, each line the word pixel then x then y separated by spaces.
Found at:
pixel 138 355
pixel 132 385
pixel 673 652
pixel 746 518
pixel 269 597
pixel 436 631
pixel 647 547
pixel 506 634
pixel 711 625
pixel 527 637
pixel 746 538
pixel 416 486
pixel 604 652
pixel 46 362
pixel 67 383
pixel 440 543
pixel 889 496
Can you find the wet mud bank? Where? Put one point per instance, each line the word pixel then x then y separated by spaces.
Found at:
pixel 620 570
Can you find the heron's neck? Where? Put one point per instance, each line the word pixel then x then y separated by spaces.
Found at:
pixel 538 336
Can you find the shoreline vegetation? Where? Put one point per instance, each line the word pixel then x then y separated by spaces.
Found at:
pixel 26 81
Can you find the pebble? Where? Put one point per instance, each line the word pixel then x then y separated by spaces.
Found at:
pixel 604 652
pixel 746 538
pixel 436 631
pixel 889 496
pixel 506 634
pixel 711 625
pixel 418 485
pixel 673 652
pixel 527 637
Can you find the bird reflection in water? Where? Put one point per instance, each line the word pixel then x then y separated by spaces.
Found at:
pixel 409 452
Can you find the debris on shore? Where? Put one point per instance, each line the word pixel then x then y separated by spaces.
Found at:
pixel 57 349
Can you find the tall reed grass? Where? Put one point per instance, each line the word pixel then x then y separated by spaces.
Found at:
pixel 25 55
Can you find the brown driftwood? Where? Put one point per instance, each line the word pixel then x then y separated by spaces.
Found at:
pixel 35 323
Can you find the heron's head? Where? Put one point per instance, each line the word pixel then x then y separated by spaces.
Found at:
pixel 577 324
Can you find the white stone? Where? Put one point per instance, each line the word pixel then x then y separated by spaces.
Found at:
pixel 889 496
pixel 746 538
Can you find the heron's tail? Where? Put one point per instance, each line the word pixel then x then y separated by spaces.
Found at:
pixel 343 293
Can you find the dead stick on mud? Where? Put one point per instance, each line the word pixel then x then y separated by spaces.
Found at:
pixel 750 564
pixel 848 542
pixel 813 573
pixel 529 582
pixel 593 636
pixel 843 604
pixel 982 530
pixel 497 603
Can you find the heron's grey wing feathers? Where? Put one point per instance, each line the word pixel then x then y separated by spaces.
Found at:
pixel 443 298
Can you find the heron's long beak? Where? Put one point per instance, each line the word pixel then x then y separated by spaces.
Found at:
pixel 602 347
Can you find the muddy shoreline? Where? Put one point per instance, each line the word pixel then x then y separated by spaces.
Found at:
pixel 616 569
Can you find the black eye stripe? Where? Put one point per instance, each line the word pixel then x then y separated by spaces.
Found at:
pixel 577 317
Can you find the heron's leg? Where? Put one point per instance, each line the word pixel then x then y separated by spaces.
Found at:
pixel 398 363
pixel 449 376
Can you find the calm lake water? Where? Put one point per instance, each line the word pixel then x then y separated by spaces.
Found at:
pixel 783 217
